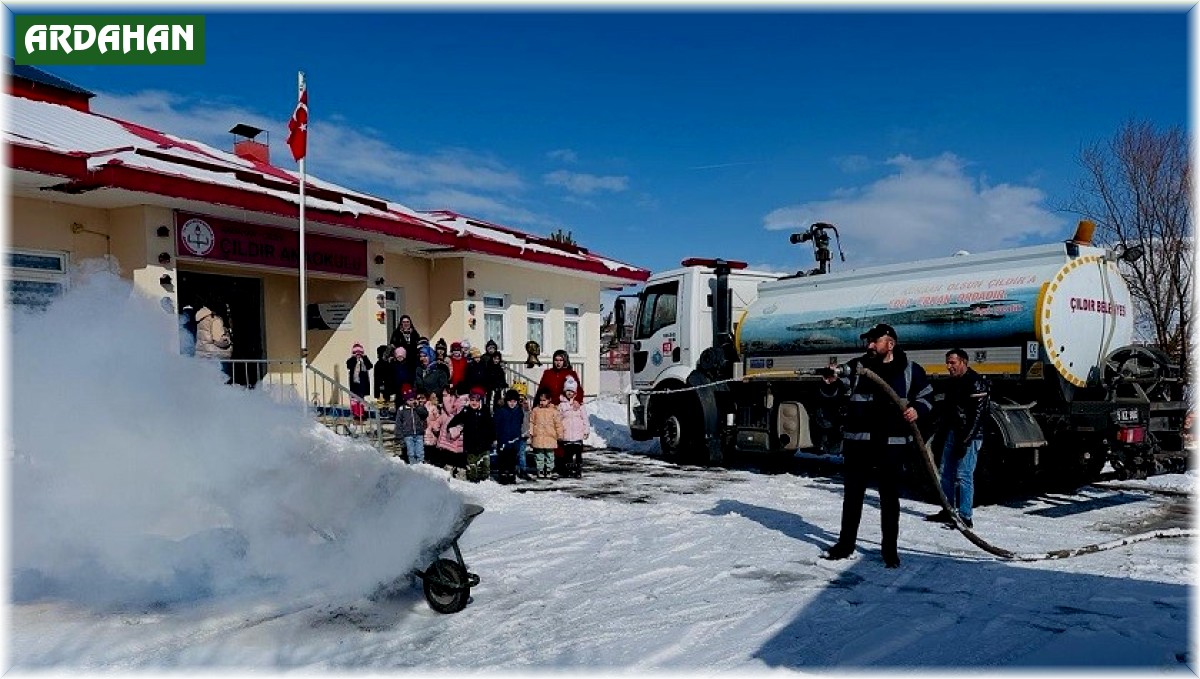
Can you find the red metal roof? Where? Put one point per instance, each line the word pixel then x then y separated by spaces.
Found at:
pixel 91 151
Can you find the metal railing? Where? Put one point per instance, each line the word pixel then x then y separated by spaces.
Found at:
pixel 358 418
pixel 323 397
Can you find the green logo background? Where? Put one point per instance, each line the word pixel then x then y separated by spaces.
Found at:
pixel 93 57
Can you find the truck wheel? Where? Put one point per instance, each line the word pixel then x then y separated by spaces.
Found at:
pixel 671 435
pixel 679 433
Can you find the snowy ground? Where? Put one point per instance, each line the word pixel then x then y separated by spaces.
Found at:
pixel 640 566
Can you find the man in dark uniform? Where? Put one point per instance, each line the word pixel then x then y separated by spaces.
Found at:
pixel 877 436
pixel 964 404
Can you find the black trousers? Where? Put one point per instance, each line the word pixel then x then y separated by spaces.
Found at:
pixel 572 458
pixel 862 463
pixel 506 458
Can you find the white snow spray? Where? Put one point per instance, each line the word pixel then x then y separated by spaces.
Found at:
pixel 139 477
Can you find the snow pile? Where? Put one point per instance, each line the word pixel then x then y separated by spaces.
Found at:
pixel 608 418
pixel 138 476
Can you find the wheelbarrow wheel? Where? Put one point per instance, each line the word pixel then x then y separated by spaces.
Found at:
pixel 447 586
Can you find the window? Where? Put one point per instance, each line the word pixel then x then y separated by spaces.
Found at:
pixel 36 278
pixel 658 309
pixel 571 337
pixel 494 307
pixel 535 322
pixel 571 313
pixel 393 302
pixel 535 329
pixel 493 329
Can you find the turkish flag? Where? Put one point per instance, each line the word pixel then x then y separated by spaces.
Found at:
pixel 297 138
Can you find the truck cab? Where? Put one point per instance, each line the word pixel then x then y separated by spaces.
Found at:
pixel 673 325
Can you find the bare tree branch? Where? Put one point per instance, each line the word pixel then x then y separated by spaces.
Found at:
pixel 1136 187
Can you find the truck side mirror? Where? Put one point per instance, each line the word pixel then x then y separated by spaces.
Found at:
pixel 619 318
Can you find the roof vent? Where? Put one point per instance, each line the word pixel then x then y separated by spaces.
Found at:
pixel 246 144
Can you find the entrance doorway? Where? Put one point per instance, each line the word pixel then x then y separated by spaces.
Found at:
pixel 237 299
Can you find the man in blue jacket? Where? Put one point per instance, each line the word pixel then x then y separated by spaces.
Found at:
pixel 877 436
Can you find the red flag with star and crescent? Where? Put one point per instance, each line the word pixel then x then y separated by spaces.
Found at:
pixel 297 138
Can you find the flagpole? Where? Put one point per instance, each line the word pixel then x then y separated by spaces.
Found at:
pixel 303 274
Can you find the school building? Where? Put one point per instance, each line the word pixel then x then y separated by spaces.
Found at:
pixel 191 224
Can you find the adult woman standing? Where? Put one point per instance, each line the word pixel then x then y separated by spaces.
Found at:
pixel 556 375
pixel 406 335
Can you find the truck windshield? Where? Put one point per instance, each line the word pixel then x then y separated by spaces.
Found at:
pixel 657 309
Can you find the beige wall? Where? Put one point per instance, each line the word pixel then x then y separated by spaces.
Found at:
pixel 413 276
pixel 521 285
pixel 447 279
pixel 46 225
pixel 131 239
pixel 435 291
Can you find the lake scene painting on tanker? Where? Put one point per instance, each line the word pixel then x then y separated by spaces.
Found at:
pixel 942 314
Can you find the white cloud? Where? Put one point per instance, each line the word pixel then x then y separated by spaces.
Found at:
pixel 338 151
pixel 562 155
pixel 582 183
pixel 926 208
pixel 168 112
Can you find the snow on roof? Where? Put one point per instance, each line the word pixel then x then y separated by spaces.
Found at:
pixel 527 243
pixel 106 142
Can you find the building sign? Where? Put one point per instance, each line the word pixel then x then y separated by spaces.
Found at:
pixel 219 240
pixel 329 316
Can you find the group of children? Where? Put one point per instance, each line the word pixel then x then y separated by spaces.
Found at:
pixel 460 432
pixel 453 402
pixel 399 369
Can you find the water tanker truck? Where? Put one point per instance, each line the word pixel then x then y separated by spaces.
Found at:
pixel 1050 325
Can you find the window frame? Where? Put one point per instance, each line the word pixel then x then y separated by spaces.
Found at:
pixel 649 311
pixel 572 315
pixel 499 310
pixel 59 276
pixel 542 317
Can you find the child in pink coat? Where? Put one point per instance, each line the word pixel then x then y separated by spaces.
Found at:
pixel 575 430
pixel 433 426
pixel 450 439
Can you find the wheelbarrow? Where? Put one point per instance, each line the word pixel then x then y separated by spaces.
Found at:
pixel 447 582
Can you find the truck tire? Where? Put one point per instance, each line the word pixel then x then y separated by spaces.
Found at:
pixel 672 435
pixel 679 430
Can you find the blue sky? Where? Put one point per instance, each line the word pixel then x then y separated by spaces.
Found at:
pixel 655 136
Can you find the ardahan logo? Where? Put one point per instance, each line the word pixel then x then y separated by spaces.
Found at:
pixel 103 39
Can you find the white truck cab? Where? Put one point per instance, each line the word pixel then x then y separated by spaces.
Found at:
pixel 674 324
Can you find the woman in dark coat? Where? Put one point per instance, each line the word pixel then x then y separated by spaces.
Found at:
pixel 406 335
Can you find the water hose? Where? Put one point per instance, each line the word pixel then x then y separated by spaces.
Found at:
pixel 979 542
